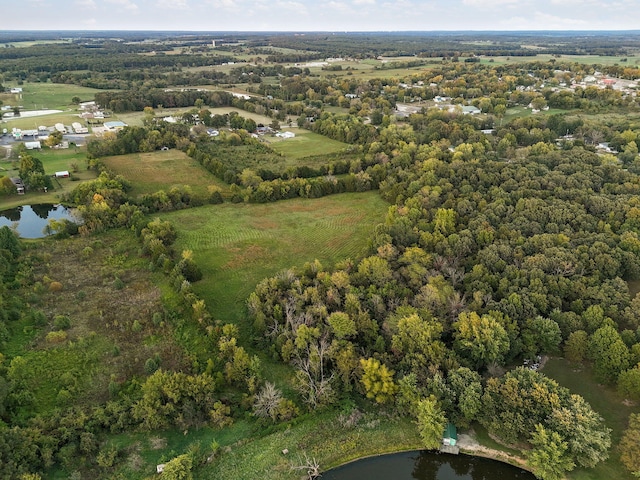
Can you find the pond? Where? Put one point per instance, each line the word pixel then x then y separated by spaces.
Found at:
pixel 427 465
pixel 30 220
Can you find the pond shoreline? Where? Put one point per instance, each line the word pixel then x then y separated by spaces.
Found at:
pixel 468 446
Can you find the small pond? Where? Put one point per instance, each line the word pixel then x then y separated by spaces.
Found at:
pixel 31 220
pixel 427 465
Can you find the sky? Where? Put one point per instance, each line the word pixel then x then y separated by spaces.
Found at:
pixel 325 15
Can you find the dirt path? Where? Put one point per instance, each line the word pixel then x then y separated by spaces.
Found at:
pixel 468 444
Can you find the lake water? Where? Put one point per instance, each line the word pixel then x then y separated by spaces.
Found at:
pixel 427 465
pixel 31 220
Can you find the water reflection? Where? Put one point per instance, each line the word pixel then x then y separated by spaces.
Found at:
pixel 427 465
pixel 29 221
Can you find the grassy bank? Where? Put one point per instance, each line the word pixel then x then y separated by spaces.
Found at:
pixel 322 437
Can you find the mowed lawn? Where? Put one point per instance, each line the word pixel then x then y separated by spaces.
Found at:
pixel 237 245
pixel 606 402
pixel 161 170
pixel 36 96
pixel 305 144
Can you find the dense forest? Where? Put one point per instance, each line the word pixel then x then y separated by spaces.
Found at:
pixel 507 239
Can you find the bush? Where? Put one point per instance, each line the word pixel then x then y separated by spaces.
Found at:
pixel 61 322
pixel 58 336
pixel 55 287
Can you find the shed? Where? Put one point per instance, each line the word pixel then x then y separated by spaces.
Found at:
pixel 32 145
pixel 18 184
pixel 450 435
pixel 62 174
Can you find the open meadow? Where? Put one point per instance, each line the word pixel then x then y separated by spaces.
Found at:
pixel 305 144
pixel 161 170
pixel 38 96
pixel 237 245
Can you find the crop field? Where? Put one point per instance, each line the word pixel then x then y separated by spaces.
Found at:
pixel 237 245
pixel 606 402
pixel 305 144
pixel 161 170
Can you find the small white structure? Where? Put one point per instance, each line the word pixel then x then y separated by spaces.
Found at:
pixel 62 174
pixel 32 145
pixel 285 134
pixel 16 90
pixel 470 110
pixel 160 468
pixel 60 127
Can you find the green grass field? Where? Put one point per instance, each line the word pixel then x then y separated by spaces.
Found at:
pixel 305 144
pixel 606 402
pixel 237 245
pixel 161 170
pixel 37 96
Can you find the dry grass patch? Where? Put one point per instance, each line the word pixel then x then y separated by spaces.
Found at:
pixel 161 170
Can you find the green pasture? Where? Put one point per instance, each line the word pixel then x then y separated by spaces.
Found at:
pixel 161 170
pixel 305 144
pixel 48 120
pixel 606 402
pixel 37 96
pixel 237 245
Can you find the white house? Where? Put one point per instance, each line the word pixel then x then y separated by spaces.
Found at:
pixel 32 145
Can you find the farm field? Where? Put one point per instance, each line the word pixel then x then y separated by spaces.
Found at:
pixel 606 402
pixel 237 245
pixel 161 170
pixel 49 119
pixel 305 144
pixel 36 96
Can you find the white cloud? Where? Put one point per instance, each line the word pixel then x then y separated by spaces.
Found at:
pixel 364 2
pixel 125 4
pixel 491 3
pixel 86 3
pixel 173 4
pixel 293 7
pixel 225 4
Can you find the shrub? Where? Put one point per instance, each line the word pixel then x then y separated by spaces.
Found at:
pixel 55 287
pixel 58 336
pixel 61 322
